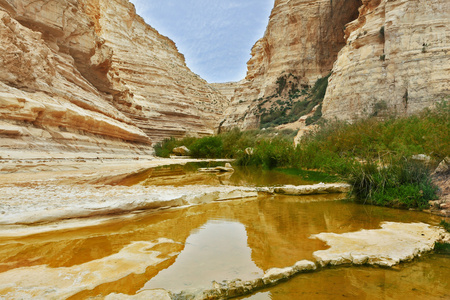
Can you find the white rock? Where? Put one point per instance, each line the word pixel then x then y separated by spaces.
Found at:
pixel 394 243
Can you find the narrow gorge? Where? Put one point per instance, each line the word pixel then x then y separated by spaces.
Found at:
pixel 125 175
pixel 89 76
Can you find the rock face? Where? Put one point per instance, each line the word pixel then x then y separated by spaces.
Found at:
pixel 227 88
pixel 394 243
pixel 396 60
pixel 162 96
pixel 92 76
pixel 302 39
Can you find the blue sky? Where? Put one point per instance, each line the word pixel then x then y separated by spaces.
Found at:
pixel 216 36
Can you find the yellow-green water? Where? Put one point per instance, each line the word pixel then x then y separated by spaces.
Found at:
pixel 216 241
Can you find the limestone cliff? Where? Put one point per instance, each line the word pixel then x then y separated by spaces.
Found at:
pixel 396 60
pixel 301 41
pixel 227 88
pixel 162 96
pixel 82 75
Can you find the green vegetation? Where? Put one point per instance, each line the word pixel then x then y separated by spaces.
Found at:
pixel 297 103
pixel 443 248
pixel 401 183
pixel 165 148
pixel 373 156
pixel 445 225
pixel 381 33
pixel 230 144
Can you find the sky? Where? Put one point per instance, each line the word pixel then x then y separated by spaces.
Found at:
pixel 215 36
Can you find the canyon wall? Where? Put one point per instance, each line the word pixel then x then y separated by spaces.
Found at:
pixel 396 61
pixel 91 76
pixel 162 96
pixel 302 40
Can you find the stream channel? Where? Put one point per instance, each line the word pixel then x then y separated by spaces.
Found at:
pixel 187 248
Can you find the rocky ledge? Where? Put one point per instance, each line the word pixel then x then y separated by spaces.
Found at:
pixel 388 246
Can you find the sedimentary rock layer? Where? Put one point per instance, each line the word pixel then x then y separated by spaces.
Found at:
pixel 45 100
pixel 303 38
pixel 394 243
pixel 396 60
pixel 92 76
pixel 159 92
pixel 227 89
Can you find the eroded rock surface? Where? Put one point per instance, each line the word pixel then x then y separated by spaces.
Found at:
pixel 320 188
pixel 394 243
pixel 162 96
pixel 66 202
pixel 63 282
pixel 396 61
pixel 302 40
pixel 87 76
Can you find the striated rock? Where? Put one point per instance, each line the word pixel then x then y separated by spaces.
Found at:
pixel 301 41
pixel 394 243
pixel 227 88
pixel 396 61
pixel 158 91
pixel 91 76
pixel 80 201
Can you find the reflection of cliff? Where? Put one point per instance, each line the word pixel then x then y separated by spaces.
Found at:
pixel 92 76
pixel 278 231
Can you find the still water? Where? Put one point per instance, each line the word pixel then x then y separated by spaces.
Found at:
pixel 187 248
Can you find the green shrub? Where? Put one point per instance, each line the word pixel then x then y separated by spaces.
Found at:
pixel 269 153
pixel 165 147
pixel 445 225
pixel 400 183
pixel 207 147
pixel 370 154
pixel 289 111
pixel 381 33
pixel 315 117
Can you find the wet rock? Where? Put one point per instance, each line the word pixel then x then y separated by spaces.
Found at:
pixel 235 288
pixel 65 202
pixel 43 282
pixel 219 169
pixel 144 295
pixel 394 243
pixel 320 188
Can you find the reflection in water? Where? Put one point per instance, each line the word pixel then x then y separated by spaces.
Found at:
pixel 272 231
pixel 218 251
pixel 424 278
pixel 178 175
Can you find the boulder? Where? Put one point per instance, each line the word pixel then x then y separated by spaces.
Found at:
pixel 183 151
pixel 444 167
